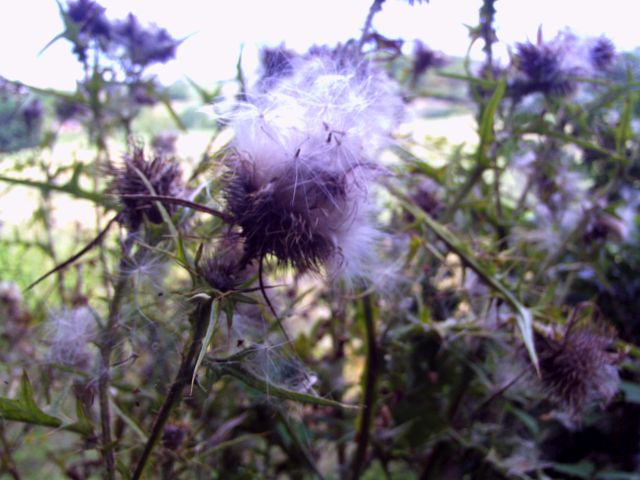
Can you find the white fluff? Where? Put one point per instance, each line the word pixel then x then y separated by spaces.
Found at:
pixel 71 330
pixel 325 118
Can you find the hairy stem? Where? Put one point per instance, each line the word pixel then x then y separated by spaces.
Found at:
pixel 183 377
pixel 370 381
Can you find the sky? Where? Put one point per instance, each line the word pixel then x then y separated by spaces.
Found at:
pixel 215 30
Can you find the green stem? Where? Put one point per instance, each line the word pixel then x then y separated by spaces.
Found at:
pixel 106 349
pixel 472 179
pixel 183 378
pixel 370 379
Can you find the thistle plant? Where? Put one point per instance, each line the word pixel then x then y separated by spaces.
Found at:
pixel 328 290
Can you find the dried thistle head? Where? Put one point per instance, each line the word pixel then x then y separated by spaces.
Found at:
pixel 578 368
pixel 222 270
pixel 303 158
pixel 162 174
pixel 174 435
pixel 542 70
pixel 291 216
pixel 602 54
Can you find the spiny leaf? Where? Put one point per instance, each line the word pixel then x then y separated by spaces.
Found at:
pixel 24 409
pixel 71 189
pixel 524 317
pixel 214 317
pixel 487 121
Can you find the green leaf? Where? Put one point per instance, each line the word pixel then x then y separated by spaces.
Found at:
pixel 529 421
pixel 580 470
pixel 129 421
pixel 176 118
pixel 71 189
pixel 487 121
pixel 24 409
pixel 213 323
pixel 624 131
pixel 631 391
pixel 205 96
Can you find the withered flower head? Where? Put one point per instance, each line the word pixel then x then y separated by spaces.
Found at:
pixel 162 174
pixel 222 269
pixel 425 59
pixel 579 368
pixel 602 54
pixel 292 216
pixel 173 436
pixel 144 46
pixel 542 69
pixel 303 158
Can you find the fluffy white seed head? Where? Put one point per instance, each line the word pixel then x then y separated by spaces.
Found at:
pixel 304 156
pixel 70 332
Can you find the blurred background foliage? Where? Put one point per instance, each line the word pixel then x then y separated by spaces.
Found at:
pixel 512 208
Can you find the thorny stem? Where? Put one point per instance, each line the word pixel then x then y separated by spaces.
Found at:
pixel 183 377
pixel 487 16
pixel 370 378
pixel 106 348
pixel 376 6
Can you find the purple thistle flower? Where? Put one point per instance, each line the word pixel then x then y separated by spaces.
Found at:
pixel 276 64
pixel 90 16
pixel 602 54
pixel 144 46
pixel 542 70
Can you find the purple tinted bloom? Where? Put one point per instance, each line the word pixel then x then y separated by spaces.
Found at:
pixel 541 66
pixel 90 16
pixel 143 94
pixel 602 54
pixel 144 45
pixel 276 64
pixel 425 59
pixel 83 10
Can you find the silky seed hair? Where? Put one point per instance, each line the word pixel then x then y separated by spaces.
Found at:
pixel 303 161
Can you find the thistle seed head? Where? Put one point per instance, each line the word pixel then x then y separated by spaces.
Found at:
pixel 163 174
pixel 302 161
pixel 602 53
pixel 541 68
pixel 222 270
pixel 579 368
